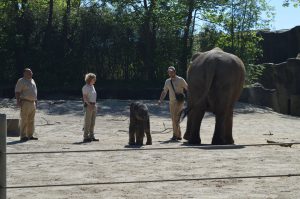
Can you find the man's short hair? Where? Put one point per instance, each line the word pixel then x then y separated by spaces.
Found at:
pixel 89 76
pixel 27 69
pixel 171 68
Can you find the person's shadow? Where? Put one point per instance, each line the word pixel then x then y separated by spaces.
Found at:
pixel 15 142
pixel 81 142
pixel 169 141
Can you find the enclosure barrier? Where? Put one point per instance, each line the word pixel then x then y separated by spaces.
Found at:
pixel 3 132
pixel 208 147
pixel 3 153
pixel 152 181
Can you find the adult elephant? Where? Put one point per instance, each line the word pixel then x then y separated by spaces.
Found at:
pixel 215 81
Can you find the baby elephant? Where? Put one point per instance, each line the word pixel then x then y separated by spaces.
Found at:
pixel 139 124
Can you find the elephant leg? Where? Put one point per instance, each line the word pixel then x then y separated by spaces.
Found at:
pixel 196 117
pixel 223 127
pixel 140 134
pixel 228 128
pixel 147 131
pixel 219 133
pixel 132 131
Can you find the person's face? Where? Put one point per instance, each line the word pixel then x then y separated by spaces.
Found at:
pixel 28 74
pixel 93 81
pixel 171 73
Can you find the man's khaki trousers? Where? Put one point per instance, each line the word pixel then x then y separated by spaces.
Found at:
pixel 175 109
pixel 27 118
pixel 89 122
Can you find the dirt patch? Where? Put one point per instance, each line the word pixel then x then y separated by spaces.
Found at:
pixel 163 170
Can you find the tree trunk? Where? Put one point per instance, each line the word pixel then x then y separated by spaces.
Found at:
pixel 186 46
pixel 191 39
pixel 232 27
pixel 66 25
pixel 18 53
pixel 23 32
pixel 148 38
pixel 47 37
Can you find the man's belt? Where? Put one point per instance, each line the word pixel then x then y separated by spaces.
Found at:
pixel 26 100
pixel 92 103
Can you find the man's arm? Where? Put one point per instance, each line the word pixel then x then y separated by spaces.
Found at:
pixel 185 85
pixel 162 97
pixel 18 90
pixel 163 93
pixel 17 94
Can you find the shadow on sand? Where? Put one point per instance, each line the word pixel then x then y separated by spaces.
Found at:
pixel 133 146
pixel 15 142
pixel 214 147
pixel 169 141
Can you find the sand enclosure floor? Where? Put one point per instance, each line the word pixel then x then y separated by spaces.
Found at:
pixel 163 170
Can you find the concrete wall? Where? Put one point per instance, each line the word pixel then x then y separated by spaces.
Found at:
pixel 279 88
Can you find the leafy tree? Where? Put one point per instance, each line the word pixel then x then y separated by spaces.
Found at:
pixel 119 40
pixel 236 22
pixel 296 3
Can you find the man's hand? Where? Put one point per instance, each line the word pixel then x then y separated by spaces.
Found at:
pixel 159 102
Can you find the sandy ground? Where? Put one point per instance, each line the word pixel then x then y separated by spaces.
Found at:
pixel 169 170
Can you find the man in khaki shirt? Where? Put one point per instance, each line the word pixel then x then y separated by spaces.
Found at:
pixel 176 106
pixel 26 95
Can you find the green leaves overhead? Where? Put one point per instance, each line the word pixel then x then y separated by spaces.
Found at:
pixel 295 3
pixel 121 39
pixel 236 23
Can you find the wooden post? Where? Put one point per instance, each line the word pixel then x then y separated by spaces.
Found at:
pixel 3 131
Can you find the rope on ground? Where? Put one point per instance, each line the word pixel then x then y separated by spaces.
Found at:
pixel 47 122
pixel 165 130
pixel 153 181
pixel 136 148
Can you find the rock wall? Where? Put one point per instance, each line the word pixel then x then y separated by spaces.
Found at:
pixel 280 45
pixel 279 88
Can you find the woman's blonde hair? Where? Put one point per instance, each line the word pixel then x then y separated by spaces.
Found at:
pixel 89 76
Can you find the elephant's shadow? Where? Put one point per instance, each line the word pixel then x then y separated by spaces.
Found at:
pixel 213 147
pixel 133 146
pixel 169 141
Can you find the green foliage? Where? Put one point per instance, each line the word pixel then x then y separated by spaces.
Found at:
pixel 296 3
pixel 125 40
pixel 232 26
pixel 254 71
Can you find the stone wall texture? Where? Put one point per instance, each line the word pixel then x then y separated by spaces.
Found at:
pixel 280 45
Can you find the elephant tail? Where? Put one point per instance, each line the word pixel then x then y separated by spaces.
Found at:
pixel 183 113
